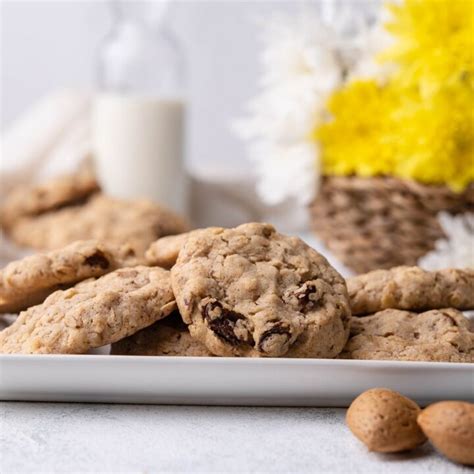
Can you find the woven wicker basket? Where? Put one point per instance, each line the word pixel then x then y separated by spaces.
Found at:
pixel 371 223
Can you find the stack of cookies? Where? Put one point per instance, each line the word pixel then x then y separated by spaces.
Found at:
pixel 248 291
pixel 70 208
pixel 406 313
pixel 128 273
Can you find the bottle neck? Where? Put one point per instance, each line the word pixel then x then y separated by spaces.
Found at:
pixel 139 55
pixel 146 14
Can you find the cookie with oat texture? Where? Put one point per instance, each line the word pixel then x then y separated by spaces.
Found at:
pixel 164 251
pixel 250 291
pixel 411 288
pixel 62 191
pixel 26 282
pixel 167 337
pixel 441 335
pixel 93 313
pixel 117 221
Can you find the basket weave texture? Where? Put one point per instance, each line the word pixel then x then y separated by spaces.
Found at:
pixel 382 222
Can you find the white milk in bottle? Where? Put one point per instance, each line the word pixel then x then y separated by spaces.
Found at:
pixel 139 115
pixel 138 144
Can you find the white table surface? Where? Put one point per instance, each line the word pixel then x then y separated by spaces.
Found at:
pixel 64 437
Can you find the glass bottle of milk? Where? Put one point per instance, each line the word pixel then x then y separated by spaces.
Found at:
pixel 139 114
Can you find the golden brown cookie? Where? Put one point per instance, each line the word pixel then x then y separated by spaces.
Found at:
pixel 32 200
pixel 168 337
pixel 164 252
pixel 29 281
pixel 137 223
pixel 250 291
pixel 438 335
pixel 94 313
pixel 411 288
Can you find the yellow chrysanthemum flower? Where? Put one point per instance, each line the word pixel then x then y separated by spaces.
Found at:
pixel 357 141
pixel 387 130
pixel 435 138
pixel 434 42
pixel 420 124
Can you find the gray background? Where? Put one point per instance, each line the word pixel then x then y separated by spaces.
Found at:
pixel 52 44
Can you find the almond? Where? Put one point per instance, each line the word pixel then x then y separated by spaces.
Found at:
pixel 385 421
pixel 450 427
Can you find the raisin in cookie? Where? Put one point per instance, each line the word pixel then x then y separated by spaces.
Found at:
pixel 168 337
pixel 117 221
pixel 94 313
pixel 251 291
pixel 436 335
pixel 29 281
pixel 411 288
pixel 32 200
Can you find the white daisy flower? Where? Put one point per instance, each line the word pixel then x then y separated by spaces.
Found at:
pixel 457 249
pixel 300 68
pixel 303 61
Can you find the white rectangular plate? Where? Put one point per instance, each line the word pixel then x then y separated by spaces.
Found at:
pixel 224 381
